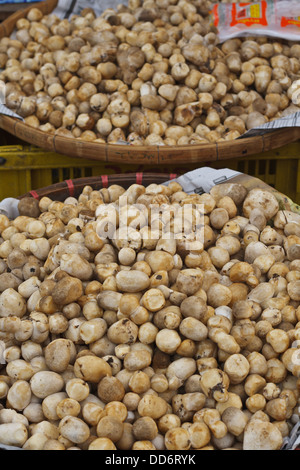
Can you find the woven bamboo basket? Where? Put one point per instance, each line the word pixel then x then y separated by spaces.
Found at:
pixel 144 155
pixel 74 187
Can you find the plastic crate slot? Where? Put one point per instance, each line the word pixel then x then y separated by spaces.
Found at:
pixel 268 177
pixel 66 174
pixel 77 173
pixel 88 172
pixel 272 167
pixel 252 168
pixel 55 175
pixel 241 167
pixel 262 167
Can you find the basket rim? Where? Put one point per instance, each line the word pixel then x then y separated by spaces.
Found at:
pixel 73 187
pixel 143 154
pixel 150 155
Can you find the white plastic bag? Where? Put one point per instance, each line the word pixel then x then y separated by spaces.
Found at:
pixel 275 18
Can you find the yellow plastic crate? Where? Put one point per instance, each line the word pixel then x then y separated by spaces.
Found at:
pixel 24 168
pixel 278 168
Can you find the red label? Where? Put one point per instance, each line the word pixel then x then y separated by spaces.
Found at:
pixel 285 21
pixel 70 185
pixel 249 14
pixel 104 179
pixel 216 15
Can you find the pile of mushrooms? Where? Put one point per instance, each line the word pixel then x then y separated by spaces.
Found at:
pixel 150 73
pixel 150 338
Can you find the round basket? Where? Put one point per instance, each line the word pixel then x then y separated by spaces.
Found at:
pixel 144 155
pixel 73 188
